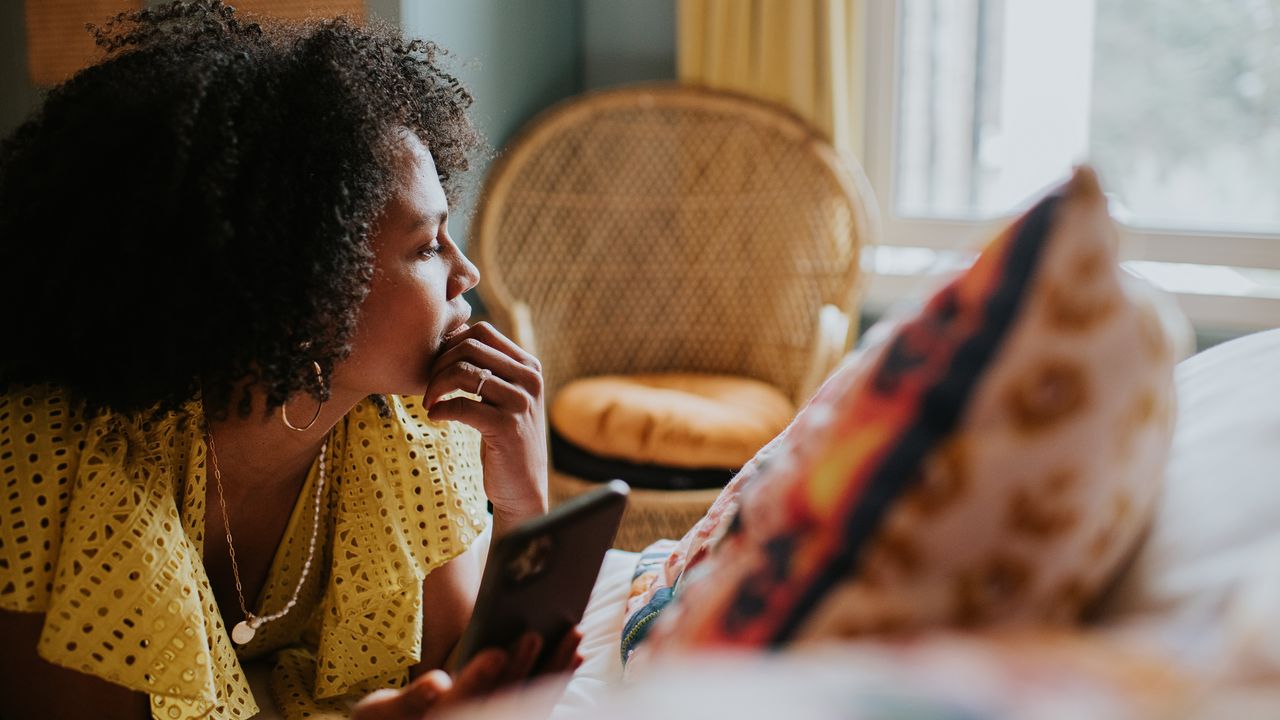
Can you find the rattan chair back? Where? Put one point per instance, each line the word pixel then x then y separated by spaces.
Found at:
pixel 671 228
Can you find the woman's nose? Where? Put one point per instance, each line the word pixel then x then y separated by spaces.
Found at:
pixel 465 274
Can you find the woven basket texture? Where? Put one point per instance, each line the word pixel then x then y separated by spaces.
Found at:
pixel 650 514
pixel 671 229
pixel 665 228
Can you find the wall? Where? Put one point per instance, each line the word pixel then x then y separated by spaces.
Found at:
pixel 516 56
pixel 519 57
pixel 17 95
pixel 626 41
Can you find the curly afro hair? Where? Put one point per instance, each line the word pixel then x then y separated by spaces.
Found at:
pixel 195 211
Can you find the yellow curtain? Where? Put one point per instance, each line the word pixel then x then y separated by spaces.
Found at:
pixel 804 54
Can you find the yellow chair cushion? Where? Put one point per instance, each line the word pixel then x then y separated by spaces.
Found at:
pixel 684 420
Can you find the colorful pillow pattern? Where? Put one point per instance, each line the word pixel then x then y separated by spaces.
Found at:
pixel 991 462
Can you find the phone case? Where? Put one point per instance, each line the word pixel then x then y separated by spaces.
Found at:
pixel 540 575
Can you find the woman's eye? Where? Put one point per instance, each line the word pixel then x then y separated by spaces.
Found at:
pixel 429 251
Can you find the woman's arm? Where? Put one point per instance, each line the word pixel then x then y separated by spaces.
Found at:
pixel 509 417
pixel 448 599
pixel 449 596
pixel 31 687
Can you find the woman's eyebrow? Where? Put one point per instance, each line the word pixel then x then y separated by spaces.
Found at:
pixel 435 218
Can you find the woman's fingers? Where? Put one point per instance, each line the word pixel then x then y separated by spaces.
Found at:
pixel 480 677
pixel 480 352
pixel 468 376
pixel 487 672
pixel 487 334
pixel 408 703
pixel 489 420
pixel 424 692
pixel 470 364
pixel 524 656
pixel 565 657
pixel 472 353
pixel 378 705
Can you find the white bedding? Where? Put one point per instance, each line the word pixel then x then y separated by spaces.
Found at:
pixel 601 634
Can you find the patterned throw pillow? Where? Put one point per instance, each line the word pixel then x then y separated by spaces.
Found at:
pixel 991 462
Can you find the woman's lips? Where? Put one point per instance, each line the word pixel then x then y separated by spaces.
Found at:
pixel 460 327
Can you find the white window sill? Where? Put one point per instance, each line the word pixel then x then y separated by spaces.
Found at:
pixel 1214 297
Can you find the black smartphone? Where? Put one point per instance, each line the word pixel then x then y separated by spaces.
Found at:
pixel 539 576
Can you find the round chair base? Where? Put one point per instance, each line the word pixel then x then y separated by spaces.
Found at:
pixel 651 514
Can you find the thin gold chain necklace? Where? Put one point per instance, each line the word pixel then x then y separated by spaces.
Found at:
pixel 245 629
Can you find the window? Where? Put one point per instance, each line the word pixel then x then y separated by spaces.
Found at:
pixel 977 106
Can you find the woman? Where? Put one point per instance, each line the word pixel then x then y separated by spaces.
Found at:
pixel 235 336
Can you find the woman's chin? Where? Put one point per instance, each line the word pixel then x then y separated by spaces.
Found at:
pixel 413 390
pixel 407 388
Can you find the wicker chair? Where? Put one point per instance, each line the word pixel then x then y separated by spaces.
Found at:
pixel 665 228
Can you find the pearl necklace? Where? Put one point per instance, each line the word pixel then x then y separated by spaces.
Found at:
pixel 245 629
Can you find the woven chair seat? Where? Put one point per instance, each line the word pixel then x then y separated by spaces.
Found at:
pixel 665 228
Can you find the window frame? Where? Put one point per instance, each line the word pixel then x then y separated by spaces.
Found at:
pixel 1208 311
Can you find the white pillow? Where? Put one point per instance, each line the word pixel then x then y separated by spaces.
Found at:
pixel 939 675
pixel 601 636
pixel 1206 583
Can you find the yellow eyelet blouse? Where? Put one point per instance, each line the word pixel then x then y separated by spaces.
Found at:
pixel 102 530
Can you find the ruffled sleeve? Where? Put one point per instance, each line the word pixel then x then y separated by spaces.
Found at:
pixel 92 538
pixel 39 451
pixel 411 498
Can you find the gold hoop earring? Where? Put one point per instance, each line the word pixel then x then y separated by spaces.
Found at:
pixel 284 415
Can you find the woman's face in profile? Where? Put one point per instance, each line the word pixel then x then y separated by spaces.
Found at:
pixel 415 297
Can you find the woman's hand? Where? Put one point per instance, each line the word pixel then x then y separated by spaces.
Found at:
pixel 489 671
pixel 435 691
pixel 509 415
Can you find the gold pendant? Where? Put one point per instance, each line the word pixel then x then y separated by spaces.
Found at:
pixel 242 633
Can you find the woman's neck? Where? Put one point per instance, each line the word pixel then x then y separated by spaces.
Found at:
pixel 258 448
